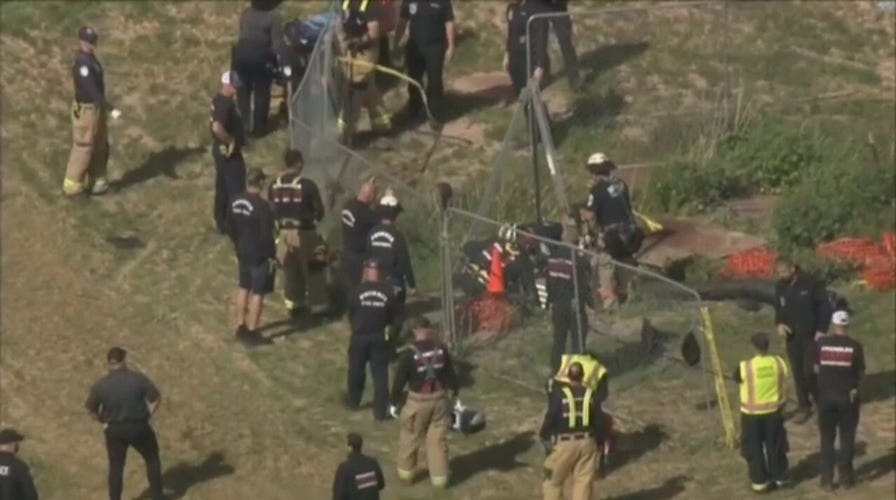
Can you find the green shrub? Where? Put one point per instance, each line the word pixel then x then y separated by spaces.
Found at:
pixel 689 186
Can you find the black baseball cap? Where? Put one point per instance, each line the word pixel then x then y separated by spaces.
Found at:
pixel 760 341
pixel 88 34
pixel 116 355
pixel 10 436
pixel 421 323
pixel 255 176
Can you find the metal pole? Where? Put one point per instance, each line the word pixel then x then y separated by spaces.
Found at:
pixel 533 152
pixel 576 303
pixel 447 295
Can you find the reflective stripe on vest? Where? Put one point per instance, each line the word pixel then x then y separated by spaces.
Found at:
pixel 763 388
pixel 362 8
pixel 586 407
pixel 593 370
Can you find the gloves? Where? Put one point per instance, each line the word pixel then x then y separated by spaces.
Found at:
pixel 546 445
pixel 394 411
pixel 783 330
pixel 115 113
pixel 853 395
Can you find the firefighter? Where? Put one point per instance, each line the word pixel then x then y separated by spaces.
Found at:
pixel 563 30
pixel 360 476
pixel 253 58
pixel 87 161
pixel 293 57
pixel 537 251
pixel 518 14
pixel 372 308
pixel 426 369
pixel 388 246
pixel 802 315
pixel 298 209
pixel 840 365
pixel 567 291
pixel 358 218
pixel 568 433
pixel 763 385
pixel 360 41
pixel 228 140
pixel 619 237
pixel 15 476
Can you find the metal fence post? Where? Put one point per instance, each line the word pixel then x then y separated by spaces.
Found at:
pixel 445 257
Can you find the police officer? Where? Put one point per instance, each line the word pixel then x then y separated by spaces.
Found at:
pixel 518 14
pixel 571 424
pixel 89 157
pixel 567 287
pixel 430 46
pixel 124 400
pixel 563 30
pixel 15 477
pixel 228 140
pixel 252 226
pixel 372 308
pixel 763 385
pixel 293 57
pixel 298 209
pixel 359 477
pixel 253 59
pixel 620 237
pixel 802 315
pixel 360 39
pixel 388 246
pixel 840 364
pixel 426 369
pixel 358 218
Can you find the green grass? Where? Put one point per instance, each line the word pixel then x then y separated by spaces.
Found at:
pixel 274 414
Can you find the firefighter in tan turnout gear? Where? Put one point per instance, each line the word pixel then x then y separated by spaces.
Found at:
pixel 426 369
pixel 360 39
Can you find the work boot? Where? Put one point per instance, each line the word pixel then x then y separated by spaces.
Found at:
pixel 99 187
pixel 847 481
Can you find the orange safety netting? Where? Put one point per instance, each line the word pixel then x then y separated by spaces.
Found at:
pixel 754 263
pixel 486 319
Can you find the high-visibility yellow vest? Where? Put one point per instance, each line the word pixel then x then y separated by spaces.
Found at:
pixel 763 388
pixel 593 370
pixel 573 414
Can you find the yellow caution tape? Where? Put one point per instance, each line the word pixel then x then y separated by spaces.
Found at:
pixel 652 225
pixel 397 74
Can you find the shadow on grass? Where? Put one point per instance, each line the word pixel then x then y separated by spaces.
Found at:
pixel 630 446
pixel 808 468
pixel 607 57
pixel 669 489
pixel 499 457
pixel 182 476
pixel 877 468
pixel 588 111
pixel 162 162
pixel 879 386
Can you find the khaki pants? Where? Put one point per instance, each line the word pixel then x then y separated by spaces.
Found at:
pixel 576 459
pixel 424 416
pixel 302 286
pixel 90 150
pixel 364 92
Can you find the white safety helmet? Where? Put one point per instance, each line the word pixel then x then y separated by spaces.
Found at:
pixel 507 232
pixel 389 199
pixel 597 159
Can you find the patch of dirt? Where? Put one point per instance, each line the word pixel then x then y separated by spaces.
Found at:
pixel 485 85
pixel 464 128
pixel 687 238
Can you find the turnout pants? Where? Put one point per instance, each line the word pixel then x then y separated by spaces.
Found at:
pixel 575 458
pixel 363 92
pixel 253 63
pixel 799 354
pixel 140 436
pixel 563 30
pixel 373 349
pixel 834 418
pixel 230 181
pixel 302 284
pixel 764 446
pixel 89 155
pixel 566 330
pixel 425 418
pixel 428 61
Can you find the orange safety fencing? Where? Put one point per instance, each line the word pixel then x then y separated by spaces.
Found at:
pixel 876 259
pixel 486 319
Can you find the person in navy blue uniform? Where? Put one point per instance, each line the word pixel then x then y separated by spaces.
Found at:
pixel 359 477
pixel 228 139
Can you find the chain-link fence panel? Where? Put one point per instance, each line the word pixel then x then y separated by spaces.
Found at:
pixel 521 298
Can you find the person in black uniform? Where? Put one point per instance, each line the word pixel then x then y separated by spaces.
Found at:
pixel 840 365
pixel 89 156
pixel 292 57
pixel 358 218
pixel 429 48
pixel 359 477
pixel 123 401
pixel 228 140
pixel 619 237
pixel 298 209
pixel 388 246
pixel 254 60
pixel 568 433
pixel 252 232
pixel 371 309
pixel 567 307
pixel 15 477
pixel 802 315
pixel 563 30
pixel 518 14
